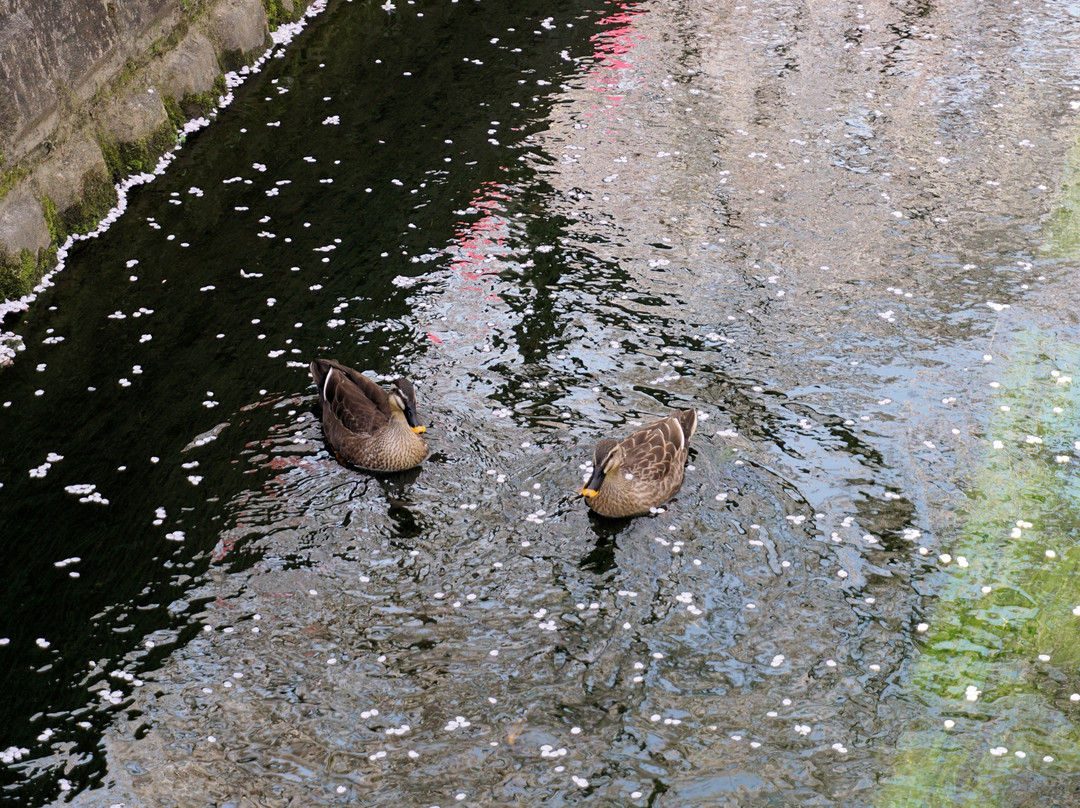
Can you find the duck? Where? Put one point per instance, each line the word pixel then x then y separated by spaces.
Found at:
pixel 365 425
pixel 632 476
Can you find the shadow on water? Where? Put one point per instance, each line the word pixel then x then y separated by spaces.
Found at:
pixel 601 559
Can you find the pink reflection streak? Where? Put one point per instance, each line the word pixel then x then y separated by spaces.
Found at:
pixel 483 238
pixel 476 244
pixel 610 47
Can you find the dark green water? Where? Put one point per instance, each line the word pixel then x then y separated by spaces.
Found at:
pixel 561 219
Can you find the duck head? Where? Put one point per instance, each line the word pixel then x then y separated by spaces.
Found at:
pixel 606 460
pixel 403 398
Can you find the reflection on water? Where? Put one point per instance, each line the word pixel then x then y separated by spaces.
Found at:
pixel 560 220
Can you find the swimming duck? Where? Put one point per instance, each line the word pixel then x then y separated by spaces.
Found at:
pixel 642 471
pixel 364 424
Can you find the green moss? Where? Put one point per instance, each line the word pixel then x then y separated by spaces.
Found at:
pixel 174 111
pixel 191 11
pixel 276 15
pixel 52 220
pixel 194 105
pixel 210 98
pixel 97 197
pixel 9 179
pixel 110 150
pixel 19 273
pixel 162 45
pixel 127 74
pixel 125 159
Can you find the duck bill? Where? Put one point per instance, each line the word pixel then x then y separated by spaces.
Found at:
pixel 413 421
pixel 592 488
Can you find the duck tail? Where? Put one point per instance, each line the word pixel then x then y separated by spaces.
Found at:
pixel 688 422
pixel 320 370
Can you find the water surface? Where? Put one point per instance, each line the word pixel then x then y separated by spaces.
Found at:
pixel 561 220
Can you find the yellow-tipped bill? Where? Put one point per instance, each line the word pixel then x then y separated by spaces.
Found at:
pixel 590 493
pixel 418 429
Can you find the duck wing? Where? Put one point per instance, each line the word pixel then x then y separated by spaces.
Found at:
pixel 379 397
pixel 657 451
pixel 360 405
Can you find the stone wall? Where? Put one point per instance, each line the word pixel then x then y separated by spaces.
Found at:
pixel 89 91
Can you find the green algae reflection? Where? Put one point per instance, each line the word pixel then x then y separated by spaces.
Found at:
pixel 1000 659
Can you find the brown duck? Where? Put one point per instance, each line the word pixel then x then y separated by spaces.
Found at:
pixel 645 470
pixel 366 426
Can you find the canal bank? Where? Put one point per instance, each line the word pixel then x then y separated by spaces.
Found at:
pixel 95 93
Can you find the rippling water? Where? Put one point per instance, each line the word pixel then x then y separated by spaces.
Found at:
pixel 561 219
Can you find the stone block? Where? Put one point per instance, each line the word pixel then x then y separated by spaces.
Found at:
pixel 22 222
pixel 60 175
pixel 239 26
pixel 55 54
pixel 136 115
pixel 190 69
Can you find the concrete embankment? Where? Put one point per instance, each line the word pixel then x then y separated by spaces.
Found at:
pixel 94 92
